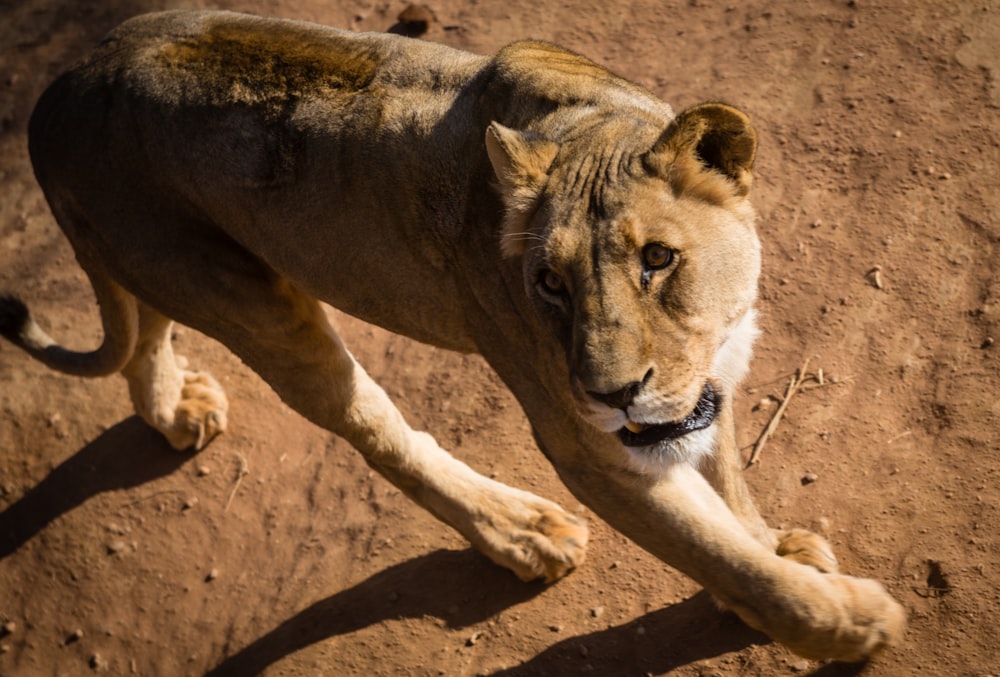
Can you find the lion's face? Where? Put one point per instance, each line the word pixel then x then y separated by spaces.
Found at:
pixel 645 269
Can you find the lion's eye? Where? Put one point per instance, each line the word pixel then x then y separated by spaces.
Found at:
pixel 551 282
pixel 656 256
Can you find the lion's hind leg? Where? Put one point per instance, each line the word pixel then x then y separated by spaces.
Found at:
pixel 187 407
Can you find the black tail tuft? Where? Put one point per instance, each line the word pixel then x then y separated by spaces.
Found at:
pixel 13 317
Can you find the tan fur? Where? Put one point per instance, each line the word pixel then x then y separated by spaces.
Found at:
pixel 228 172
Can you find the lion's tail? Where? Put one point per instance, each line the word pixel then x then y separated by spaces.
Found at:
pixel 119 315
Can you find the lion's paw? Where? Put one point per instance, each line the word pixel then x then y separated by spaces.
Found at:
pixel 201 413
pixel 806 547
pixel 867 620
pixel 532 537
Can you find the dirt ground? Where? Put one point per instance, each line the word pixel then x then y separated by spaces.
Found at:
pixel 276 551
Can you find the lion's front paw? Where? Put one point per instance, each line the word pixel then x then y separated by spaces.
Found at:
pixel 201 413
pixel 806 547
pixel 867 620
pixel 532 537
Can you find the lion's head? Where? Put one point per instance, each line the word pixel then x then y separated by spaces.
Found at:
pixel 638 249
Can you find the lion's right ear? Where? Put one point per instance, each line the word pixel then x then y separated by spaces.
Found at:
pixel 521 162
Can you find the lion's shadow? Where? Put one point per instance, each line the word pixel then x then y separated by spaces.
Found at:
pixel 460 588
pixel 439 585
pixel 126 455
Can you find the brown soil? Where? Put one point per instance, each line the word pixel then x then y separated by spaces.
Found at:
pixel 277 551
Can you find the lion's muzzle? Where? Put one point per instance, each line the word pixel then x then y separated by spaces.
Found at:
pixel 702 416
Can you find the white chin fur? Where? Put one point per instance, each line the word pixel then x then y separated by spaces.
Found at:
pixel 605 418
pixel 657 459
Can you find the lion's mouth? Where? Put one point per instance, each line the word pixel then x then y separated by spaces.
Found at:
pixel 641 435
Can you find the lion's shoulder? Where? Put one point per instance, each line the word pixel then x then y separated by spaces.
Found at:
pixel 547 75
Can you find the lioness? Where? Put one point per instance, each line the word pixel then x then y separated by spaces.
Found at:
pixel 230 172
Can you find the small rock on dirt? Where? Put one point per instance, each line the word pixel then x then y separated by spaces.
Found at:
pixel 212 574
pixel 415 19
pixel 9 628
pixel 809 478
pixel 116 547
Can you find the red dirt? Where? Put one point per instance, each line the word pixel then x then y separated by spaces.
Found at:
pixel 879 148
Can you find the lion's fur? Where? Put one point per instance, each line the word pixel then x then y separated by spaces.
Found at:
pixel 227 171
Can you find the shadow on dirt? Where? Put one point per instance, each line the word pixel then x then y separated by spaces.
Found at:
pixel 127 455
pixel 657 643
pixel 445 584
pixel 438 585
pixel 839 670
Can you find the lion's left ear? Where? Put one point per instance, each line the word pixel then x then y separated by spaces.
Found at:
pixel 521 163
pixel 709 136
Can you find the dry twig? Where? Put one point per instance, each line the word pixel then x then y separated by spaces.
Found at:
pixel 243 471
pixel 798 378
pixel 152 495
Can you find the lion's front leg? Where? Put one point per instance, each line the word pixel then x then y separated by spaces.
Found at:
pixel 724 471
pixel 531 536
pixel 681 519
pixel 294 348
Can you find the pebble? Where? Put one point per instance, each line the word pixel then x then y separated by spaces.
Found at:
pixel 204 470
pixel 190 503
pixel 809 478
pixel 97 662
pixel 9 628
pixel 597 611
pixel 765 404
pixel 75 636
pixel 474 638
pixel 987 342
pixel 416 17
pixel 875 275
pixel 801 666
pixel 116 547
pixel 4 648
pixel 212 574
pixel 556 628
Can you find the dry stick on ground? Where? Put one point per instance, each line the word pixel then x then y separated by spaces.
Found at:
pixel 152 495
pixel 798 378
pixel 241 473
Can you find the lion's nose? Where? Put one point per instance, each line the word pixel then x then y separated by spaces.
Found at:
pixel 623 397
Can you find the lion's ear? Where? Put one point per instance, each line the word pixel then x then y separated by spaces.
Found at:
pixel 709 136
pixel 521 162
